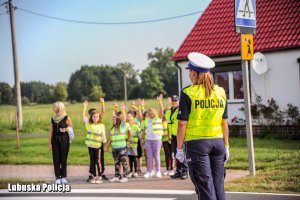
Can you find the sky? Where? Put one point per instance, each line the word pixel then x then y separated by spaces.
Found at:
pixel 50 51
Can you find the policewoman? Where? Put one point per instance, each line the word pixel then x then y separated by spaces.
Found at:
pixel 203 126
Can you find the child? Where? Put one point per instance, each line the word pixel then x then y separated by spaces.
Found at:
pixel 166 143
pixel 133 143
pixel 102 145
pixel 94 138
pixel 119 139
pixel 153 133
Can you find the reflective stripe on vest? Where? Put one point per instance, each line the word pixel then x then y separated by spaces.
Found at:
pixel 206 113
pixel 165 131
pixel 135 131
pixel 157 127
pixel 94 135
pixel 172 121
pixel 118 137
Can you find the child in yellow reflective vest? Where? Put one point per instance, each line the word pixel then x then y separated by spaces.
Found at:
pixel 133 144
pixel 119 136
pixel 152 135
pixel 94 138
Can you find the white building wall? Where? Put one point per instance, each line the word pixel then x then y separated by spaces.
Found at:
pixel 281 81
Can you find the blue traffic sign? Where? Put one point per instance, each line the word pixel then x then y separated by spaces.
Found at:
pixel 245 16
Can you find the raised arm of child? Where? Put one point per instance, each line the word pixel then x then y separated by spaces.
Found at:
pixel 141 109
pixel 85 104
pixel 123 109
pixel 102 110
pixel 161 106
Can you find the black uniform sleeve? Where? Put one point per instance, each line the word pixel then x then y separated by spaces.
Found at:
pixel 185 104
pixel 225 114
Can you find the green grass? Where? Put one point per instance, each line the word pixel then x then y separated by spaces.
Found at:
pixel 277 164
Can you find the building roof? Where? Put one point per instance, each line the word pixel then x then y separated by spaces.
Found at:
pixel 278 27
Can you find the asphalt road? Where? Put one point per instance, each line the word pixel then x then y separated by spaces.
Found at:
pixel 138 194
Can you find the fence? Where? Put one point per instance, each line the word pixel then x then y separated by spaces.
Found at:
pixel 272 131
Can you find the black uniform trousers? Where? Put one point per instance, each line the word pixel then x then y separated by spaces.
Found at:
pixel 60 149
pixel 181 167
pixel 205 158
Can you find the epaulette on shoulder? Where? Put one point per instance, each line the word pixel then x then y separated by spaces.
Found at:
pixel 186 87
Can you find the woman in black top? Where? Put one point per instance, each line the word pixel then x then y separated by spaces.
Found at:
pixel 59 141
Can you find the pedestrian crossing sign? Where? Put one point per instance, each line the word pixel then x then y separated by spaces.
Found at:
pixel 247 51
pixel 245 16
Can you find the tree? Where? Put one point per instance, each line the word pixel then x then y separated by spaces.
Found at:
pixel 6 94
pixel 81 82
pixel 36 91
pixel 60 92
pixel 96 93
pixel 151 83
pixel 161 59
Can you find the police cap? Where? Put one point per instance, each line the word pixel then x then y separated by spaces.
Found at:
pixel 200 62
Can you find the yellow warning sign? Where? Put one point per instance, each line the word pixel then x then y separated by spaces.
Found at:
pixel 247 51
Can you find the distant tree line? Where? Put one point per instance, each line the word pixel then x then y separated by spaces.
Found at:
pixel 93 82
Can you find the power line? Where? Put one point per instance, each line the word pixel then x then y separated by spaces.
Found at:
pixel 5 3
pixel 109 23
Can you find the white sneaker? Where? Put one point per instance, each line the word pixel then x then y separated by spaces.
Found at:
pixel 158 175
pixel 58 181
pixel 114 179
pixel 166 173
pixel 64 181
pixel 129 175
pixel 93 180
pixel 171 173
pixel 152 173
pixel 135 175
pixel 147 175
pixel 123 180
pixel 99 180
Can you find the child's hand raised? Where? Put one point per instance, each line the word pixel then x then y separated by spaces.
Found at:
pixel 85 103
pixel 160 97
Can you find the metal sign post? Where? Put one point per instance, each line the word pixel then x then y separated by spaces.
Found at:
pixel 247 105
pixel 245 23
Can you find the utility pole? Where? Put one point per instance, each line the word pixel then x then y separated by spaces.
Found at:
pixel 125 87
pixel 16 68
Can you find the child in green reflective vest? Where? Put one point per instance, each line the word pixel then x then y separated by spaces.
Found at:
pixel 133 144
pixel 94 138
pixel 119 136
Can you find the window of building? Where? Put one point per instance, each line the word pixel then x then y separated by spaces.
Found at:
pixel 230 77
pixel 221 79
pixel 238 85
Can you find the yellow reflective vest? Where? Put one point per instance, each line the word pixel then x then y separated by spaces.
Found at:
pixel 135 132
pixel 165 131
pixel 94 135
pixel 206 113
pixel 157 126
pixel 172 121
pixel 119 136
